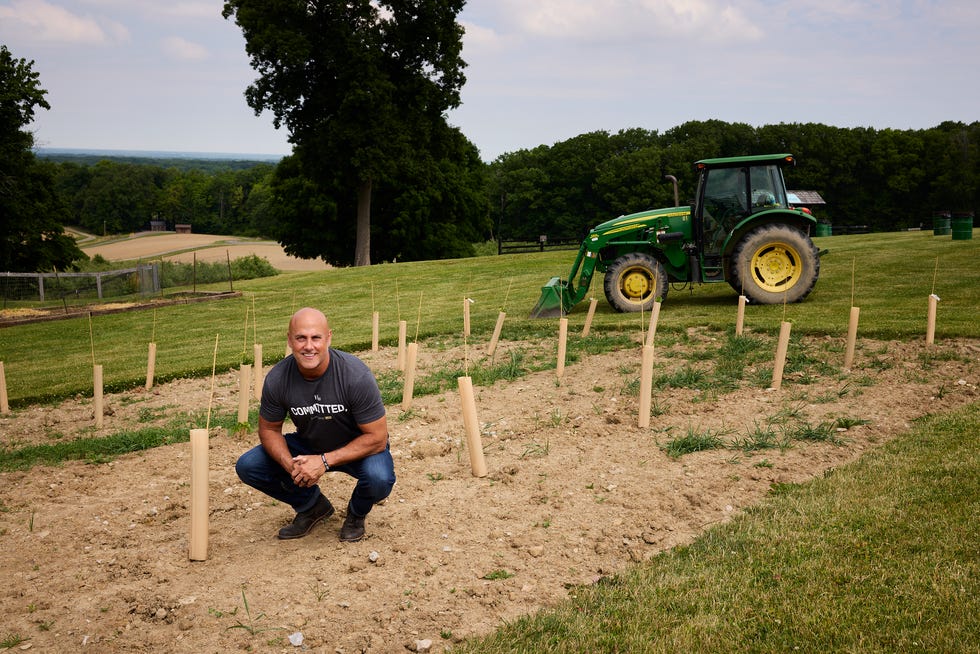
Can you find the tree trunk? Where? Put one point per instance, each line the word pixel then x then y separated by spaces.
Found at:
pixel 362 248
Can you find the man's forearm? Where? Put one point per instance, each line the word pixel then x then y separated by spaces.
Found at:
pixel 361 447
pixel 275 446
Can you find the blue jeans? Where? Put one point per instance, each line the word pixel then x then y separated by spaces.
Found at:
pixel 375 477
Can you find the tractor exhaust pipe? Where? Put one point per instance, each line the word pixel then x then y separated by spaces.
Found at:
pixel 677 197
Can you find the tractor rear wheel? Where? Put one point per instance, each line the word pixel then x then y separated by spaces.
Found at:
pixel 634 282
pixel 773 264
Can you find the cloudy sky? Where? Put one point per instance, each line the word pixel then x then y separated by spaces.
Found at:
pixel 170 74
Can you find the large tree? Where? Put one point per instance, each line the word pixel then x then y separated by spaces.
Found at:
pixel 31 214
pixel 362 86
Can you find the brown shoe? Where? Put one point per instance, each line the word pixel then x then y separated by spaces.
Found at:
pixel 352 529
pixel 306 520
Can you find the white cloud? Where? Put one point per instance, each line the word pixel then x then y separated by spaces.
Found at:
pixel 478 35
pixel 43 22
pixel 180 48
pixel 620 21
pixel 207 9
pixel 155 8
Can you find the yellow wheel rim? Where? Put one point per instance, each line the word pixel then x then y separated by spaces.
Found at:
pixel 776 267
pixel 636 284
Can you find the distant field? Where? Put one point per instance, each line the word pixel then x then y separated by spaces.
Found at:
pixel 207 247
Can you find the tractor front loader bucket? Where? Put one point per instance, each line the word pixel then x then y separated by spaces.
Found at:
pixel 554 300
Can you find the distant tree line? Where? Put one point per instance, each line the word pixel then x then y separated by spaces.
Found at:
pixel 114 197
pixel 885 179
pixel 201 162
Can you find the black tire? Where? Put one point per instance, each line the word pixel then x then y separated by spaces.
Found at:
pixel 773 264
pixel 634 281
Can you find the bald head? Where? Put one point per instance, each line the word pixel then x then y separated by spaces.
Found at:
pixel 308 316
pixel 309 339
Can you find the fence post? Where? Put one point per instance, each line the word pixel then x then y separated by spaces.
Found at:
pixel 40 286
pixel 98 284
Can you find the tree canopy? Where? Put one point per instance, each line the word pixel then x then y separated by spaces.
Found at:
pixel 362 87
pixel 32 215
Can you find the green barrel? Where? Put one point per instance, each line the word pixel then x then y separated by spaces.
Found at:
pixel 824 229
pixel 941 225
pixel 961 226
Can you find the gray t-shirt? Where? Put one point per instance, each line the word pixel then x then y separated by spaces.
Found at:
pixel 326 410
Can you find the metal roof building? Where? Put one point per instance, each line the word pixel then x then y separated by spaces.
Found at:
pixel 805 198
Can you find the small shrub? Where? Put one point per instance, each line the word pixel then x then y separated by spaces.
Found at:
pixel 174 274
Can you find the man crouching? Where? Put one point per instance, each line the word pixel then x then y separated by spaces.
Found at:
pixel 333 400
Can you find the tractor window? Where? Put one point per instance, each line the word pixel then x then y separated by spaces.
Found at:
pixel 767 188
pixel 725 202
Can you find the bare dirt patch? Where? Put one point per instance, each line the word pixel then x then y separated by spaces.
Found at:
pixel 97 554
pixel 206 247
pixel 151 244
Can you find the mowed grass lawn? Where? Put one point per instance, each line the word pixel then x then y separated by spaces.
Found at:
pixel 879 556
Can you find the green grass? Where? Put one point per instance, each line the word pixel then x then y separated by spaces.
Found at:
pixel 693 441
pixel 106 448
pixel 894 276
pixel 882 555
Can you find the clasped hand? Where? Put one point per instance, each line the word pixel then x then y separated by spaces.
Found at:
pixel 306 471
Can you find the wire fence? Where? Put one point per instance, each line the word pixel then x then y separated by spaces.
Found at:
pixel 43 289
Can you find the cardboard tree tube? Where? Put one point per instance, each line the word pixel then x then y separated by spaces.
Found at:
pixel 198 550
pixel 852 331
pixel 473 441
pixel 562 346
pixel 375 322
pixel 257 351
pixel 4 403
pixel 496 333
pixel 151 365
pixel 654 317
pixel 466 316
pixel 931 322
pixel 402 336
pixel 409 388
pixel 97 394
pixel 588 318
pixel 646 386
pixel 244 376
pixel 740 319
pixel 781 348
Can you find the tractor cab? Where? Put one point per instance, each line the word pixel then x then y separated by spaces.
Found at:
pixel 730 191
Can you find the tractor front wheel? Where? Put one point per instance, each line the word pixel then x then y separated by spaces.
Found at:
pixel 773 264
pixel 634 282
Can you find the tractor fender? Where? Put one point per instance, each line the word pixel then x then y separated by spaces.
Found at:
pixel 806 223
pixel 673 258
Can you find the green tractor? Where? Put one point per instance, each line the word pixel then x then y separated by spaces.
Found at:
pixel 741 230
